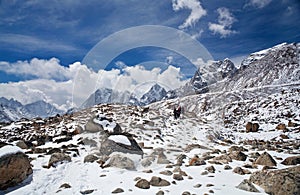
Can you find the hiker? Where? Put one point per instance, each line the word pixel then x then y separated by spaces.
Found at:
pixel 177 111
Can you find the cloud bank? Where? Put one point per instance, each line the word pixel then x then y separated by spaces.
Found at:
pixel 63 86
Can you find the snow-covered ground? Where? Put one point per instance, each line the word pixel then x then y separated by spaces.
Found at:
pixel 202 125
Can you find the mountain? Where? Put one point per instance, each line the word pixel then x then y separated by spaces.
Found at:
pixel 105 95
pixel 156 93
pixel 12 110
pixel 275 66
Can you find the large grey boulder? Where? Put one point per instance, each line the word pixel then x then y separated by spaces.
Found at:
pixel 121 162
pixel 110 145
pixel 278 182
pixel 14 168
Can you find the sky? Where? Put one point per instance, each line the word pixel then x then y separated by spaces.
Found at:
pixel 46 45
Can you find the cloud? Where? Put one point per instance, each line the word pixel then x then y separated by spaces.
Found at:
pixel 43 69
pixel 197 11
pixel 63 86
pixel 225 21
pixel 258 3
pixel 31 43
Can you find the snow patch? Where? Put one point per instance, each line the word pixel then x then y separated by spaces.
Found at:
pixel 120 139
pixel 8 149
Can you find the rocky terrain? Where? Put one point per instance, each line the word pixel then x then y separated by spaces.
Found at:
pixel 240 141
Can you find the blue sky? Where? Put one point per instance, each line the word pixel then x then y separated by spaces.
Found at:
pixel 67 30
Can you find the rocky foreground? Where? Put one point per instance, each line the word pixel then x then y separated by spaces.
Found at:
pixel 245 146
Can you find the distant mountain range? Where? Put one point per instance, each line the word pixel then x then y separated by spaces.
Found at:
pixel 11 110
pixel 274 66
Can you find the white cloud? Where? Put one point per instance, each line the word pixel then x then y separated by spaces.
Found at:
pixel 258 3
pixel 197 11
pixel 44 69
pixel 225 21
pixel 80 81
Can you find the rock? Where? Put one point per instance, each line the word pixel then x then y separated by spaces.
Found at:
pixel 166 172
pixel 109 146
pixel 58 158
pixel 65 185
pixel 117 191
pixel 121 162
pixel 237 148
pixel 160 192
pixel 238 155
pixel 239 171
pixel 21 144
pixel 14 168
pixel 278 182
pixel 247 186
pixel 252 127
pixel 197 185
pixel 283 136
pixel 186 193
pixel 143 184
pixel 90 158
pixel 177 177
pixel 265 159
pixel 222 159
pixel 146 162
pixel 87 191
pixel 93 127
pixel 227 167
pixel 117 129
pixel 210 169
pixel 148 171
pixel 53 150
pixel 292 124
pixel 281 126
pixel 161 157
pixel 157 181
pixel 90 142
pixel 292 160
pixel 196 161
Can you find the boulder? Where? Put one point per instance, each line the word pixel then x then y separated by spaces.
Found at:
pixel 14 168
pixel 117 191
pixel 93 127
pixel 252 127
pixel 292 160
pixel 278 182
pixel 222 159
pixel 157 181
pixel 177 177
pixel 57 158
pixel 196 161
pixel 21 144
pixel 247 186
pixel 281 126
pixel 143 184
pixel 109 146
pixel 210 169
pixel 238 155
pixel 265 159
pixel 90 158
pixel 121 162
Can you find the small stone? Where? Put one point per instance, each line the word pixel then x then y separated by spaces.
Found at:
pixel 209 185
pixel 148 171
pixel 210 169
pixel 87 191
pixel 102 175
pixel 186 193
pixel 239 170
pixel 227 167
pixel 143 184
pixel 137 178
pixel 157 181
pixel 204 173
pixel 211 191
pixel 177 177
pixel 90 158
pixel 117 191
pixel 197 185
pixel 65 185
pixel 265 159
pixel 190 177
pixel 160 192
pixel 166 172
